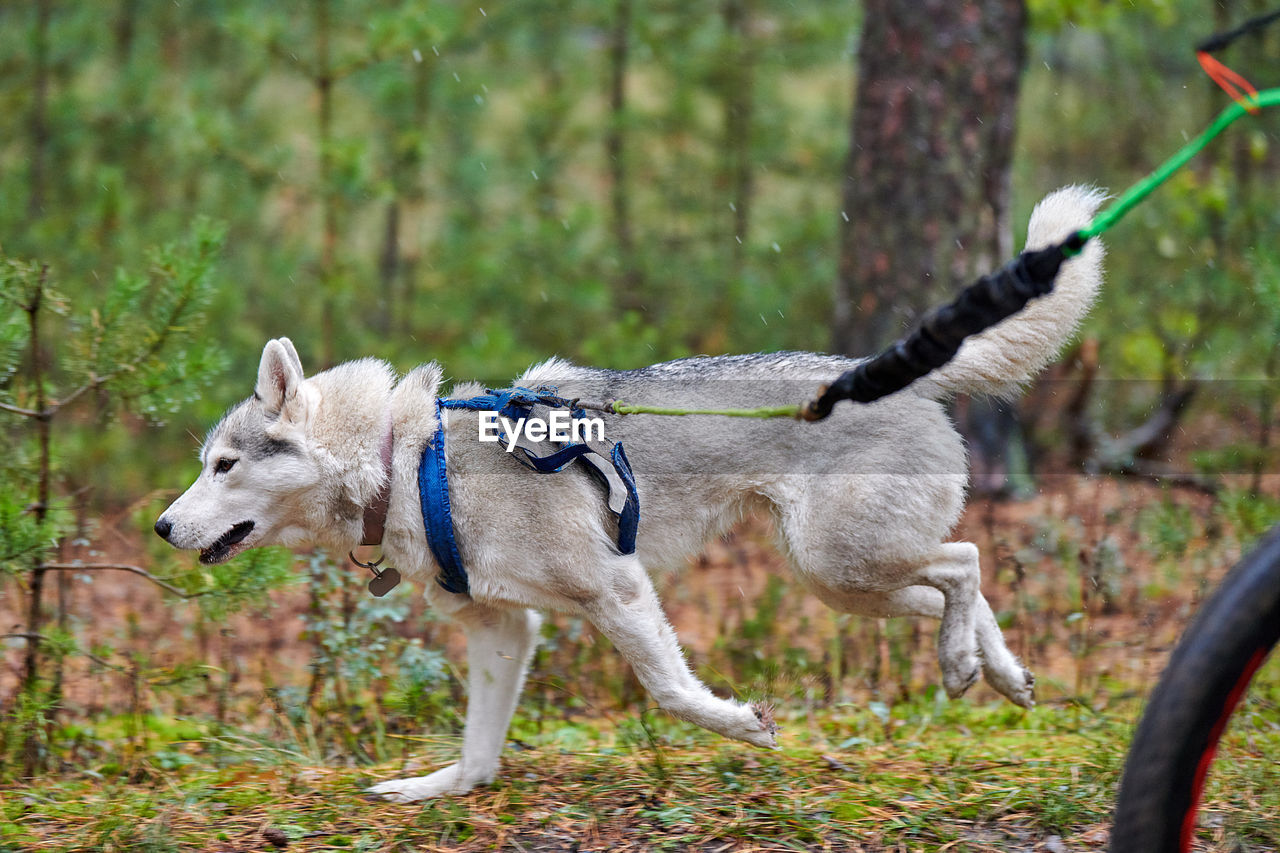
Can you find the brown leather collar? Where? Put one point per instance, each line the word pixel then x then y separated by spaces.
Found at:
pixel 375 514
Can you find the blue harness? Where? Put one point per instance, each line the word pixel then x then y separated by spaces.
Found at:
pixel 513 404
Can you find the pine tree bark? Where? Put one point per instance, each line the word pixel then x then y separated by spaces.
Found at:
pixel 323 80
pixel 737 82
pixel 926 191
pixel 629 285
pixel 739 107
pixel 39 110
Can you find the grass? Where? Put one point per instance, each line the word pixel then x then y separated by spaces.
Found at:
pixel 927 775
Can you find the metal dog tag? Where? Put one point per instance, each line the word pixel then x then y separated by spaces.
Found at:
pixel 385 581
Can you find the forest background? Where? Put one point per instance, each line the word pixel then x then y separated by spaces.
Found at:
pixel 616 183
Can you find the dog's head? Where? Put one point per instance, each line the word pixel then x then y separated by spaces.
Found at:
pixel 261 474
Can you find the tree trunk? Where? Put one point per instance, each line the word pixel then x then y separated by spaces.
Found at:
pixel 33 753
pixel 738 109
pixel 125 28
pixel 388 267
pixel 39 110
pixel 545 123
pixel 926 192
pixel 629 283
pixel 415 189
pixel 737 83
pixel 323 82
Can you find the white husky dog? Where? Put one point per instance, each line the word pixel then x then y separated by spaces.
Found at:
pixel 863 502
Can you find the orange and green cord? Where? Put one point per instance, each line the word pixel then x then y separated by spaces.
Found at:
pixel 1246 98
pixel 1143 188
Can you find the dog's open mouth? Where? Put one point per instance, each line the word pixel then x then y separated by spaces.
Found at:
pixel 225 547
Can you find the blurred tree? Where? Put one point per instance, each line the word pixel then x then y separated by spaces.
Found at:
pixel 629 284
pixel 927 184
pixel 39 107
pixel 415 36
pixel 735 72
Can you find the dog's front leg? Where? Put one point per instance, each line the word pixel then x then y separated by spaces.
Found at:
pixel 629 614
pixel 499 645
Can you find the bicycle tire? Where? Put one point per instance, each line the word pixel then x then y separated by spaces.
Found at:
pixel 1201 686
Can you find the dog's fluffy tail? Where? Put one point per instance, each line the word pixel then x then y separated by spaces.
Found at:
pixel 1005 357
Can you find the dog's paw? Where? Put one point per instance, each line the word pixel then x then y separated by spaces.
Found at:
pixel 958 681
pixel 404 791
pixel 1016 683
pixel 1025 695
pixel 764 715
pixel 447 780
pixel 751 723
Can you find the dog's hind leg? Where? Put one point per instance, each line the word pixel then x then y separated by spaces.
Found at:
pixel 629 614
pixel 499 646
pixel 953 570
pixel 966 619
pixel 1000 667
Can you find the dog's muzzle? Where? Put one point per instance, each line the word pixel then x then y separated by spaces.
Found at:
pixel 221 549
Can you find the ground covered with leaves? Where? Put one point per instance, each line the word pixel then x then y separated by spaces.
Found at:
pixel 925 775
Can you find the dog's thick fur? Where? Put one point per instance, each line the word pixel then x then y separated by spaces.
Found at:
pixel 863 502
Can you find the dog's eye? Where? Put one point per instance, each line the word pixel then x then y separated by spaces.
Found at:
pixel 224 465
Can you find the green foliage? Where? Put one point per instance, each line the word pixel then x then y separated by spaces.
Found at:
pixel 24 537
pixel 420 673
pixel 244 581
pixel 1248 515
pixel 1052 15
pixel 492 267
pixel 139 345
pixel 353 632
pixel 134 347
pixel 1169 529
pixel 138 348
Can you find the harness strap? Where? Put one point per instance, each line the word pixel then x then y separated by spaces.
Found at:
pixel 629 518
pixel 601 461
pixel 552 463
pixel 606 460
pixel 433 490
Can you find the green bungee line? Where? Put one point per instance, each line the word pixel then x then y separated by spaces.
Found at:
pixel 1113 213
pixel 621 408
pixel 1143 188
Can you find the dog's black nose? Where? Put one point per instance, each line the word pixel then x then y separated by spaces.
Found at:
pixel 163 529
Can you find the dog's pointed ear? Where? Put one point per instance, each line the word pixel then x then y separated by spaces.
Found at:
pixel 293 353
pixel 279 375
